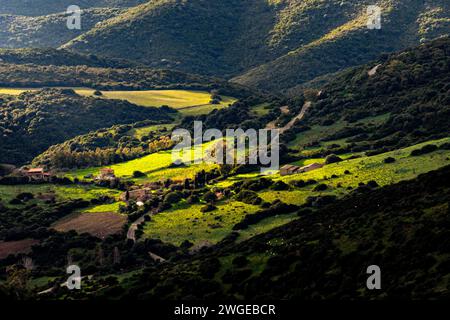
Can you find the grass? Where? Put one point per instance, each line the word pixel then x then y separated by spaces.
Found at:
pixel 156 166
pixel 317 132
pixel 186 222
pixel 68 192
pixel 113 207
pixel 138 133
pixel 362 170
pixel 266 225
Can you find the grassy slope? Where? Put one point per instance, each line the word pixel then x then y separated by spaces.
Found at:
pixel 187 222
pixel 156 166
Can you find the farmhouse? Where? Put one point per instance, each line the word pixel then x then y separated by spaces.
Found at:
pixel 37 174
pixel 138 195
pixel 291 169
pixel 106 174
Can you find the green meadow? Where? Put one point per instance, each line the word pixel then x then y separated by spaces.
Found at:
pixel 187 222
pixel 68 192
pixel 156 166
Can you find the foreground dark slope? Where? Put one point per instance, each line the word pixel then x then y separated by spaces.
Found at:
pixel 32 122
pixel 402 228
pixel 294 41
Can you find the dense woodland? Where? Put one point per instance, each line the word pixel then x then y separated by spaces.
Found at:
pixel 34 121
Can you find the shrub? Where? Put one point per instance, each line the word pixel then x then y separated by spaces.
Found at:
pixel 279 186
pixel 389 160
pixel 138 174
pixel 332 158
pixel 208 208
pixel 240 261
pixel 172 197
pixel 424 150
pixel 248 197
pixel 321 187
pixel 209 196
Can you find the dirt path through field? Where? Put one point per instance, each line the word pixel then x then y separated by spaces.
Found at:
pixel 271 125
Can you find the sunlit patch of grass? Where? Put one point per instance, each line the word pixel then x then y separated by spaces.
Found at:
pixel 156 166
pixel 111 207
pixel 266 225
pixel 61 192
pixel 187 222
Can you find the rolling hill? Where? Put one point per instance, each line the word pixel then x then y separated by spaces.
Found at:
pixel 28 32
pixel 33 121
pixel 45 7
pixel 396 101
pixel 271 45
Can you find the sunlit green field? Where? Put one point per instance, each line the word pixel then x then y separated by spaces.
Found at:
pixel 318 132
pixel 189 102
pixel 69 192
pixel 362 169
pixel 138 133
pixel 188 223
pixel 156 166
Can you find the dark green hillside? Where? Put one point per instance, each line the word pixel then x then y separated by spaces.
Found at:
pixel 286 42
pixel 44 7
pixel 214 37
pixel 32 122
pixel 47 31
pixel 60 57
pixel 37 76
pixel 404 23
pixel 409 94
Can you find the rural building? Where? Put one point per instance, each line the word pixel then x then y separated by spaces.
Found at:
pixel 138 195
pixel 106 174
pixel 291 169
pixel 37 174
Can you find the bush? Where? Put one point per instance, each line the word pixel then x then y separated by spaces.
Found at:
pixel 209 196
pixel 192 199
pixel 332 158
pixel 279 186
pixel 172 197
pixel 321 187
pixel 138 174
pixel 208 208
pixel 240 261
pixel 389 160
pixel 424 150
pixel 248 197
